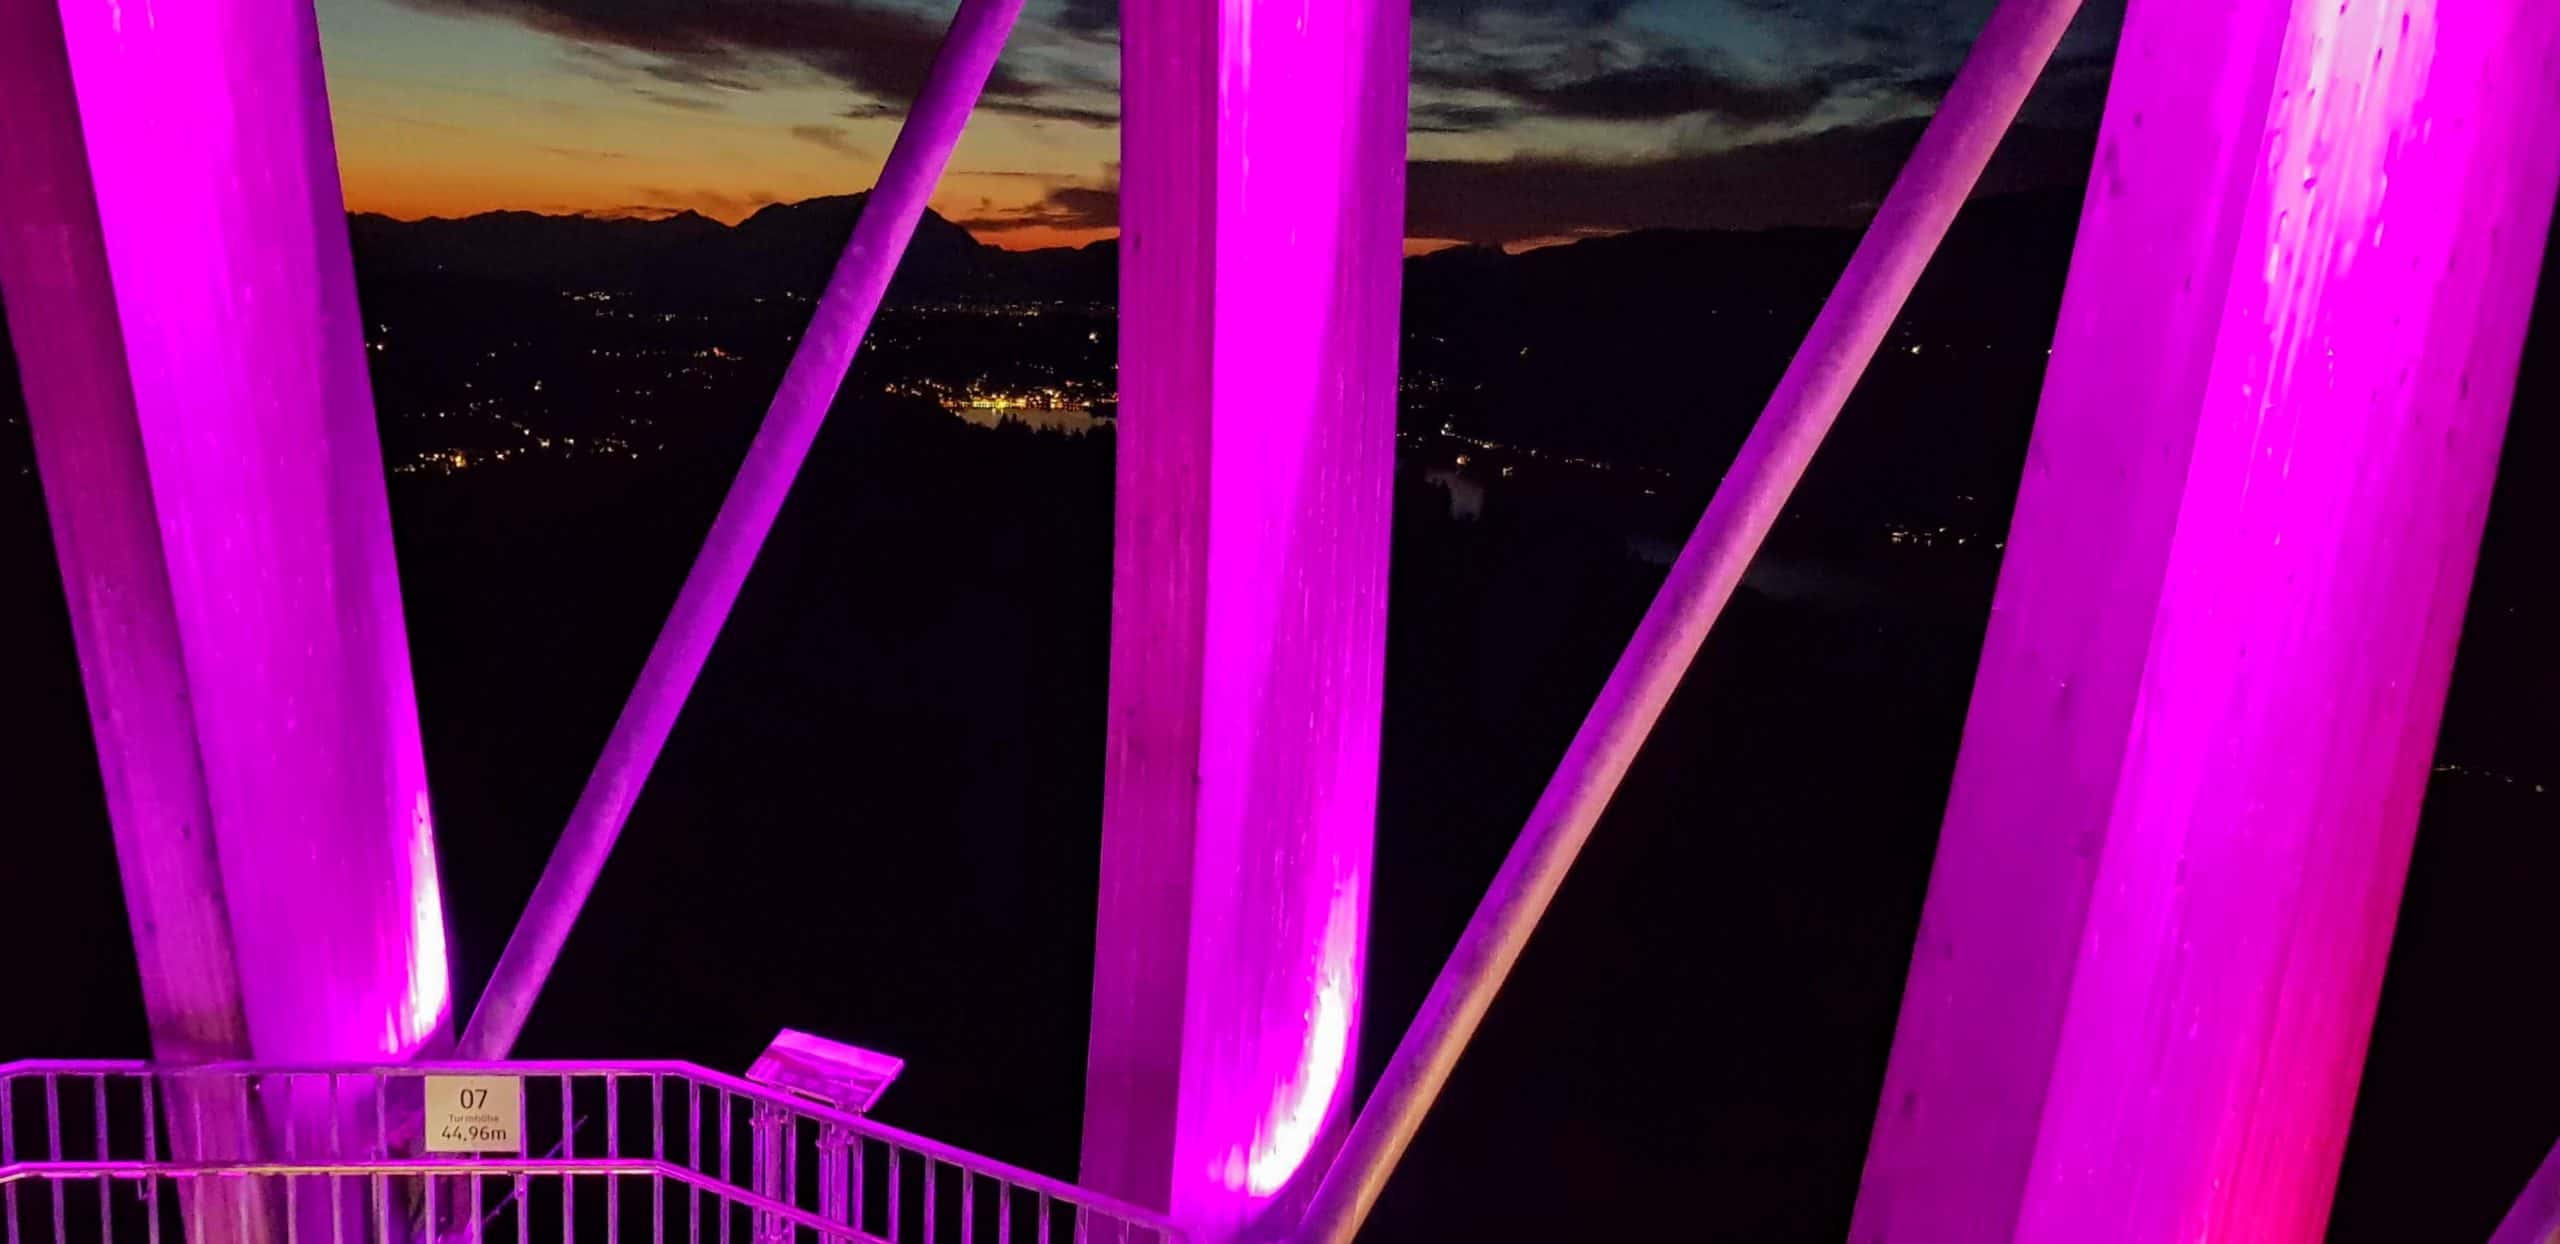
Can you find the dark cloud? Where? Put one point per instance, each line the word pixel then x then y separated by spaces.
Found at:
pixel 1066 207
pixel 1581 12
pixel 1048 110
pixel 582 153
pixel 1484 65
pixel 689 103
pixel 1833 177
pixel 879 51
pixel 1830 177
pixel 830 138
pixel 1437 118
pixel 1096 17
pixel 1925 36
pixel 1036 108
pixel 1090 17
pixel 1659 87
pixel 679 73
pixel 2073 91
pixel 1916 46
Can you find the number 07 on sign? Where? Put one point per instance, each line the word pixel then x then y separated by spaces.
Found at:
pixel 475 1114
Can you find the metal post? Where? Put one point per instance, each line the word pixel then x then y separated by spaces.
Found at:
pixel 835 1144
pixel 782 443
pixel 771 1126
pixel 1262 222
pixel 1978 109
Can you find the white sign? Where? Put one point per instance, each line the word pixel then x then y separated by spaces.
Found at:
pixel 475 1114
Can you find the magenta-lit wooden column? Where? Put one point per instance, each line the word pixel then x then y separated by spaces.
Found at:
pixel 207 435
pixel 1262 211
pixel 2173 852
pixel 71 362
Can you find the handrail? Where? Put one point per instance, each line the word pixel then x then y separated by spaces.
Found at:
pixel 1056 1189
pixel 29 1172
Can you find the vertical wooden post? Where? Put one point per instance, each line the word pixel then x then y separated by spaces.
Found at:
pixel 198 390
pixel 1262 207
pixel 106 535
pixel 2148 963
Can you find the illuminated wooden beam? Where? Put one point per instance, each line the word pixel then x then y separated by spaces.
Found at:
pixel 1262 211
pixel 232 438
pixel 69 345
pixel 711 587
pixel 182 304
pixel 2147 967
pixel 2535 1217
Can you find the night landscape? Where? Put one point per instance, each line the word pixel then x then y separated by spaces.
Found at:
pixel 879 816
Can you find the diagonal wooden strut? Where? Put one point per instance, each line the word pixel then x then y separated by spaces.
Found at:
pixel 746 516
pixel 2535 1218
pixel 1941 173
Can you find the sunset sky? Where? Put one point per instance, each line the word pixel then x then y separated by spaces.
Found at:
pixel 1532 119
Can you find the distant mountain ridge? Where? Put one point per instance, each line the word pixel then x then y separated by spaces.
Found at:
pixel 790 248
pixel 784 248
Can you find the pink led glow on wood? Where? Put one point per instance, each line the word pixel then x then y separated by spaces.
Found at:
pixel 206 131
pixel 70 351
pixel 2061 663
pixel 747 513
pixel 2535 1217
pixel 2148 965
pixel 1262 209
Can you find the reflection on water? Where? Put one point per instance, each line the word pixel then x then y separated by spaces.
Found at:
pixel 1049 419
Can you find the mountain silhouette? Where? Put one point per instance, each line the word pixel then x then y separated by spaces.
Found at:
pixel 783 249
pixel 1657 346
pixel 790 248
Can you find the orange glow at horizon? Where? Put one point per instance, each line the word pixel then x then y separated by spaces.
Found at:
pixel 422 195
pixel 450 198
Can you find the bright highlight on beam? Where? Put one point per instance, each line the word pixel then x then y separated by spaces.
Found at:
pixel 430 984
pixel 1298 1115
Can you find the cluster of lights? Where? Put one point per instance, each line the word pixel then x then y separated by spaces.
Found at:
pixel 449 461
pixel 1929 537
pixel 2491 775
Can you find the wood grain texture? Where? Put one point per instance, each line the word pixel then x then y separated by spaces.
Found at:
pixel 183 306
pixel 106 534
pixel 1262 220
pixel 2149 961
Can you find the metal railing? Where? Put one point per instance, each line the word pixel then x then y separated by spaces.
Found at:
pixel 658 1151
